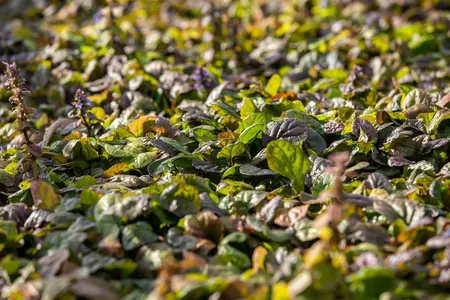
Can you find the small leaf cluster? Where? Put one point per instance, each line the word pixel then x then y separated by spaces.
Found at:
pixel 225 150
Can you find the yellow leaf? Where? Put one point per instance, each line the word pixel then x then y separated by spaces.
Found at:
pixel 339 261
pixel 109 120
pixel 434 272
pixel 58 157
pixel 247 275
pixel 74 135
pixel 273 85
pixel 116 169
pixel 280 291
pixel 99 113
pixel 123 132
pixel 24 184
pixel 176 118
pixel 44 195
pixel 99 98
pixel 248 108
pixel 141 126
pixel 379 193
pixel 258 258
pixel 226 138
pixel 43 120
pixel 326 233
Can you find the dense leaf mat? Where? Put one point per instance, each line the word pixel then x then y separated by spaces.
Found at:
pixel 225 149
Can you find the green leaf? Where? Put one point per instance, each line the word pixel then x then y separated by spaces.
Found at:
pixel 129 208
pixel 251 120
pixel 251 133
pixel 124 267
pixel 64 240
pixel 421 44
pixel 231 151
pixel 305 230
pixel 410 211
pixel 6 178
pixel 87 150
pixel 95 261
pixel 136 235
pixel 215 94
pixel 181 199
pixel 115 151
pixel 242 201
pixel 288 160
pixel 230 254
pixel 8 231
pixel 316 142
pixel 10 264
pixel 311 121
pixel 371 283
pixel 22 196
pixel 206 166
pixel 262 230
pixel 338 74
pixel 204 133
pixel 168 145
pixel 84 181
pixel 440 116
pixel 89 197
pixel 71 149
pixel 108 225
pixel 105 203
pixel 143 159
pixel 251 170
pixel 414 97
pixel 226 109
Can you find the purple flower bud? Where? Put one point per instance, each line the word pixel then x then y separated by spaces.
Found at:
pixel 204 72
pixel 97 17
pixel 196 77
pixel 209 84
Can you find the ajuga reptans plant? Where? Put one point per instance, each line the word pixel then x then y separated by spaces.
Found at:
pixel 81 110
pixel 15 83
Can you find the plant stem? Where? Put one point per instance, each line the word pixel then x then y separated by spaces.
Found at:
pixel 35 168
pixel 85 123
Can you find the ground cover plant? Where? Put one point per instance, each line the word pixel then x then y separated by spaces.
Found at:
pixel 229 149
